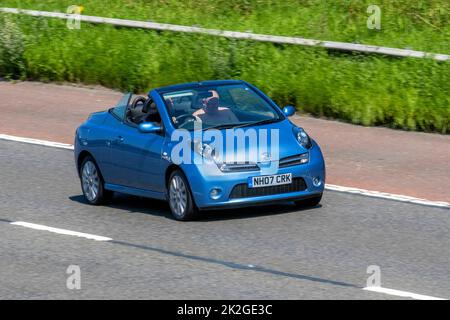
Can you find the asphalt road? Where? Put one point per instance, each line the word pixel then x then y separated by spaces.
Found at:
pixel 276 252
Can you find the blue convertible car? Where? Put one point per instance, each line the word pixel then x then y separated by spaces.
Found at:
pixel 202 145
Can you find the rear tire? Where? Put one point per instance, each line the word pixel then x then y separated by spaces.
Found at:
pixel 92 183
pixel 180 197
pixel 310 202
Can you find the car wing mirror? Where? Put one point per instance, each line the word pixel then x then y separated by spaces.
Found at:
pixel 289 111
pixel 149 127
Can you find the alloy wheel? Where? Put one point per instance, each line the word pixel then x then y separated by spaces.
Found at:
pixel 178 196
pixel 90 181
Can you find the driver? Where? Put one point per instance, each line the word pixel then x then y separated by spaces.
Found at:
pixel 212 113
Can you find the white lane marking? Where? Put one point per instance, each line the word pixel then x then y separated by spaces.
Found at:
pixel 400 293
pixel 60 231
pixel 384 195
pixel 368 193
pixel 37 141
pixel 40 227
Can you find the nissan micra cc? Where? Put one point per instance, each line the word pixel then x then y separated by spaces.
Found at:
pixel 203 145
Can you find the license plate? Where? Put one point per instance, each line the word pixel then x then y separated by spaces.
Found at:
pixel 264 181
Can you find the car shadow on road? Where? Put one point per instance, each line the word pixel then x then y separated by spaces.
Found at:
pixel 161 208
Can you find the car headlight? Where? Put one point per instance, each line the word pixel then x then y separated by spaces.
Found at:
pixel 302 137
pixel 205 150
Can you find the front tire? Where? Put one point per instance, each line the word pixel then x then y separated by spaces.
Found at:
pixel 310 202
pixel 92 183
pixel 180 197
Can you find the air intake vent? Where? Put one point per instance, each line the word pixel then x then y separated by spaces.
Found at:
pixel 243 191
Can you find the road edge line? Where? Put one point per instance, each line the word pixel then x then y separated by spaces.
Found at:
pixel 389 196
pixel 37 142
pixel 331 187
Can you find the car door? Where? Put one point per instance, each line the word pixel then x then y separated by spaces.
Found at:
pixel 136 158
pixel 109 130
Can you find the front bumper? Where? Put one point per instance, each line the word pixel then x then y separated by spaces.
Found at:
pixel 204 178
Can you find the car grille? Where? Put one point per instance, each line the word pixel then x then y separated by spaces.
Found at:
pixel 243 191
pixel 238 167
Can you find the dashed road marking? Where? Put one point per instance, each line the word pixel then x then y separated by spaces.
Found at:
pixel 400 293
pixel 40 227
pixel 60 231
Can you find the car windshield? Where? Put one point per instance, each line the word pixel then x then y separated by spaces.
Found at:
pixel 218 107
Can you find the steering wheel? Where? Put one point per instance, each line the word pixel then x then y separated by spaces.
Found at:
pixel 131 113
pixel 137 101
pixel 186 119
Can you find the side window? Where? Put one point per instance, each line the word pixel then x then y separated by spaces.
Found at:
pixel 121 106
pixel 119 112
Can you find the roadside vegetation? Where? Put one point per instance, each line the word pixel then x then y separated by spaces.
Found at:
pixel 410 94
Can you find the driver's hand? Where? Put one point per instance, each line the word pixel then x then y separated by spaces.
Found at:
pixel 174 119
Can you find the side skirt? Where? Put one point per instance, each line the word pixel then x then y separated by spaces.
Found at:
pixel 135 192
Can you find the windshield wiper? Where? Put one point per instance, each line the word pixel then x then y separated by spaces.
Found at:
pixel 257 123
pixel 223 126
pixel 240 125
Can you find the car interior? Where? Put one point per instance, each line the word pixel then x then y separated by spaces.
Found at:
pixel 188 104
pixel 181 107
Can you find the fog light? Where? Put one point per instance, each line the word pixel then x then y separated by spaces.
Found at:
pixel 317 182
pixel 215 193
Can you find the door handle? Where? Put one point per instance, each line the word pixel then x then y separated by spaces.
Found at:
pixel 119 139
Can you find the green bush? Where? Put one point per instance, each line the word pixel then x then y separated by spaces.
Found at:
pixel 11 49
pixel 417 24
pixel 410 94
